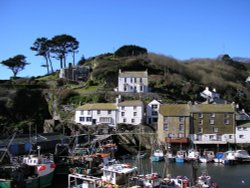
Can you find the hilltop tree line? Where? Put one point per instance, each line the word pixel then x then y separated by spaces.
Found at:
pixel 58 48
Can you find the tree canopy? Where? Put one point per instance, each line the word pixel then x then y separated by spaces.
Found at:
pixel 15 64
pixel 62 45
pixel 130 50
pixel 43 48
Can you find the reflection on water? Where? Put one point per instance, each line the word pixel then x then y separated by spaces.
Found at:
pixel 236 176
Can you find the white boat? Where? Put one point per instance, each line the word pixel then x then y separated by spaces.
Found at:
pixel 178 182
pixel 205 181
pixel 242 155
pixel 169 157
pixel 229 158
pixel 208 156
pixel 219 157
pixel 158 155
pixel 43 165
pixel 118 174
pixel 192 154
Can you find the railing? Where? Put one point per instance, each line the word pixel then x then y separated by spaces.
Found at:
pixel 177 140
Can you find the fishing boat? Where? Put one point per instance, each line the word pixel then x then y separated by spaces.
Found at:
pixel 242 155
pixel 205 181
pixel 118 173
pixel 178 182
pixel 169 157
pixel 158 155
pixel 208 156
pixel 43 166
pixel 33 170
pixel 229 158
pixel 192 155
pixel 219 157
pixel 180 156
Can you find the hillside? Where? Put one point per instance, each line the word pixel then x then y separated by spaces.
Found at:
pixel 28 102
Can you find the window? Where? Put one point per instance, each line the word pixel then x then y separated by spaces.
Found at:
pixel 81 119
pixel 165 119
pixel 244 128
pixel 109 111
pixel 200 122
pixel 131 80
pixel 200 130
pixel 124 120
pixel 88 112
pixel 230 136
pixel 170 135
pixel 180 135
pixel 165 127
pixel 241 136
pixel 181 119
pixel 122 113
pixel 211 121
pixel 215 130
pixel 154 113
pixel 88 119
pixel 123 107
pixel 135 113
pixel 155 120
pixel 140 80
pixel 125 80
pixel 132 120
pixel 200 115
pixel 98 111
pixel 125 88
pixel 141 88
pixel 211 137
pixel 226 115
pixel 105 120
pixel 82 112
pixel 226 121
pixel 154 106
pixel 181 127
pixel 212 115
pixel 134 107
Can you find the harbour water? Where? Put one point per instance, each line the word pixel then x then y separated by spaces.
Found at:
pixel 235 176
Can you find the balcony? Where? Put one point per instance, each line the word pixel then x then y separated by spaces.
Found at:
pixel 177 140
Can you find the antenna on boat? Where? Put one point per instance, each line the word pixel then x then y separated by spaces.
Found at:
pixel 13 137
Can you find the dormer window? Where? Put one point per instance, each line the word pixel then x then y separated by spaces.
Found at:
pixel 200 115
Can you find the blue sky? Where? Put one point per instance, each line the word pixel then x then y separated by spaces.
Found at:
pixel 182 29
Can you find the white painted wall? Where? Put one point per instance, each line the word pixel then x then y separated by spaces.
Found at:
pixel 242 135
pixel 93 115
pixel 133 85
pixel 127 115
pixel 150 115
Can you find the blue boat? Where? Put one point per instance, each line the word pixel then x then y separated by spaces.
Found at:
pixel 180 156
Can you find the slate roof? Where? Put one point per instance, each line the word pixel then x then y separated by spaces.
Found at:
pixel 98 106
pixel 174 110
pixel 131 103
pixel 133 74
pixel 212 108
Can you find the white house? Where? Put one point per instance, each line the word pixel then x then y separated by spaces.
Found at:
pixel 131 112
pixel 98 113
pixel 152 112
pixel 242 133
pixel 134 81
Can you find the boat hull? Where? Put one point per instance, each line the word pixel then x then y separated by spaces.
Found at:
pixel 157 158
pixel 179 160
pixel 40 182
